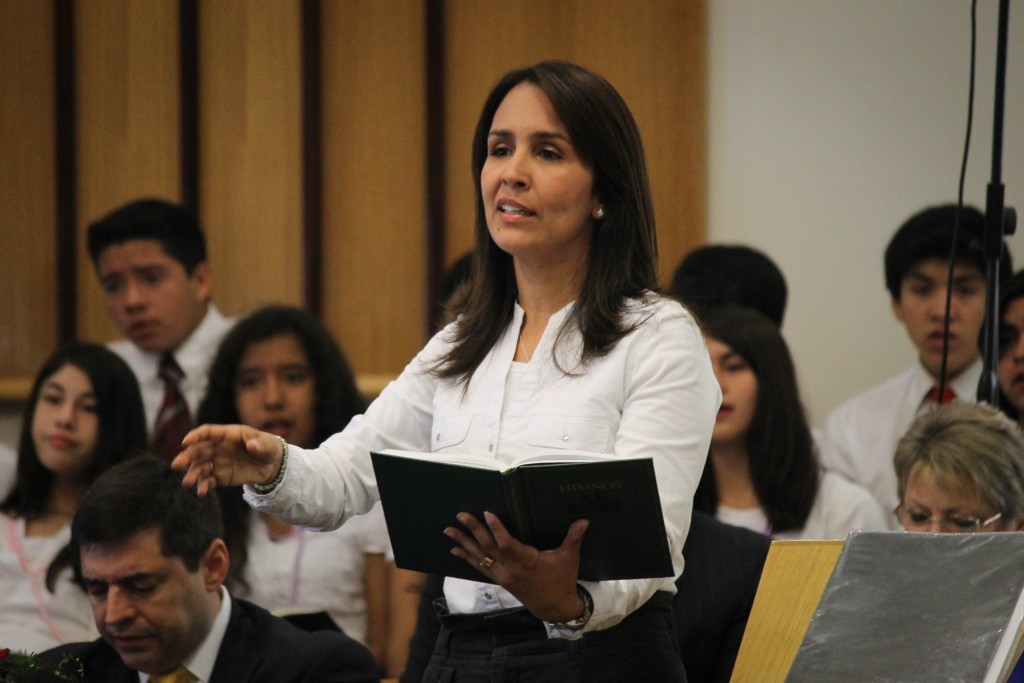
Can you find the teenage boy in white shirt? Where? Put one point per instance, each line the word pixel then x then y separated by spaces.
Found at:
pixel 862 433
pixel 150 258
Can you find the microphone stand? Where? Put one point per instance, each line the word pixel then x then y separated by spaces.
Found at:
pixel 999 221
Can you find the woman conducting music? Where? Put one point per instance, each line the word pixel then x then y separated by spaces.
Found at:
pixel 560 343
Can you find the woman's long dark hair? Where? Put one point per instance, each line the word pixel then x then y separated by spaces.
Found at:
pixel 623 247
pixel 121 432
pixel 783 464
pixel 337 400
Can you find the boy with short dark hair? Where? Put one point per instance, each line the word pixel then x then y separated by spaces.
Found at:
pixel 862 433
pixel 150 257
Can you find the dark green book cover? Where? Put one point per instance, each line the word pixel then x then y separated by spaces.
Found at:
pixel 537 500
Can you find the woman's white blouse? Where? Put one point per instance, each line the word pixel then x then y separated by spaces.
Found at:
pixel 653 395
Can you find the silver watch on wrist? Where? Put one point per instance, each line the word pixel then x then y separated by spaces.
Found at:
pixel 588 609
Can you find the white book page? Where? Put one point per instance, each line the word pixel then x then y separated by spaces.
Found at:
pixel 489 463
pixel 451 458
pixel 1002 662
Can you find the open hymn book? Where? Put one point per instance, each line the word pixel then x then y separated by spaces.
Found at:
pixel 537 498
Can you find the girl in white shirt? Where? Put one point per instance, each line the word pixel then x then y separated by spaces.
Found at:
pixel 84 415
pixel 762 472
pixel 280 370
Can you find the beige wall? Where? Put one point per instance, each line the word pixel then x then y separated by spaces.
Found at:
pixel 830 122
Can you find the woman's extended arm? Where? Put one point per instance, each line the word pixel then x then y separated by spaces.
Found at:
pixel 324 486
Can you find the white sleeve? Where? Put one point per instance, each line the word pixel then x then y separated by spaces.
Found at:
pixel 323 487
pixel 669 413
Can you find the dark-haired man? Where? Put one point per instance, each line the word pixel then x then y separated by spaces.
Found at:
pixel 150 257
pixel 862 433
pixel 151 556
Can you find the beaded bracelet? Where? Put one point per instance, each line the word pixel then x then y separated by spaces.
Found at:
pixel 263 489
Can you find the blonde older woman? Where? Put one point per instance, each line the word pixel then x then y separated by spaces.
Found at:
pixel 960 468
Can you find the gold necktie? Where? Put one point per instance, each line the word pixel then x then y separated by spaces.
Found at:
pixel 179 675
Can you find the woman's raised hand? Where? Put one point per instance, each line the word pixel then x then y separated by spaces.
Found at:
pixel 228 455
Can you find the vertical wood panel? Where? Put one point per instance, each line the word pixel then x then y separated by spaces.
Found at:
pixel 27 279
pixel 126 75
pixel 436 183
pixel 188 94
pixel 374 197
pixel 312 165
pixel 129 142
pixel 251 150
pixel 65 163
pixel 653 52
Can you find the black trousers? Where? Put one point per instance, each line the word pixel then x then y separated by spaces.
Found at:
pixel 511 646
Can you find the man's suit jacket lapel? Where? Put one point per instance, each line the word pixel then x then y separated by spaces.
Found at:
pixel 239 655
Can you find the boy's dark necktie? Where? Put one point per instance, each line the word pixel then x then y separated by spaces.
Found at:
pixel 172 420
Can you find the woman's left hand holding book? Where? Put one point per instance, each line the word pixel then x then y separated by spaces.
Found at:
pixel 543 580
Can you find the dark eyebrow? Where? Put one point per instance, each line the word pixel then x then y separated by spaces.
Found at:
pixel 958 279
pixel 922 277
pixel 57 386
pixel 966 277
pixel 107 277
pixel 244 370
pixel 543 135
pixel 92 583
pixel 952 511
pixel 131 578
pixel 295 366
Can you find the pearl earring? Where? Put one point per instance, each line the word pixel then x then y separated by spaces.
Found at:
pixel 599 213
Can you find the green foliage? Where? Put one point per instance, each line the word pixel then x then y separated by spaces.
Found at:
pixel 24 667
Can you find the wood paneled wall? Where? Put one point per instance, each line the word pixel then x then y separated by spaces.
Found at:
pixel 250 150
pixel 126 128
pixel 374 161
pixel 324 132
pixel 28 320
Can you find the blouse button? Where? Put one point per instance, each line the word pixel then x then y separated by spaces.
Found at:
pixel 490 447
pixel 565 436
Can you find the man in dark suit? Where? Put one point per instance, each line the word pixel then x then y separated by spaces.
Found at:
pixel 151 556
